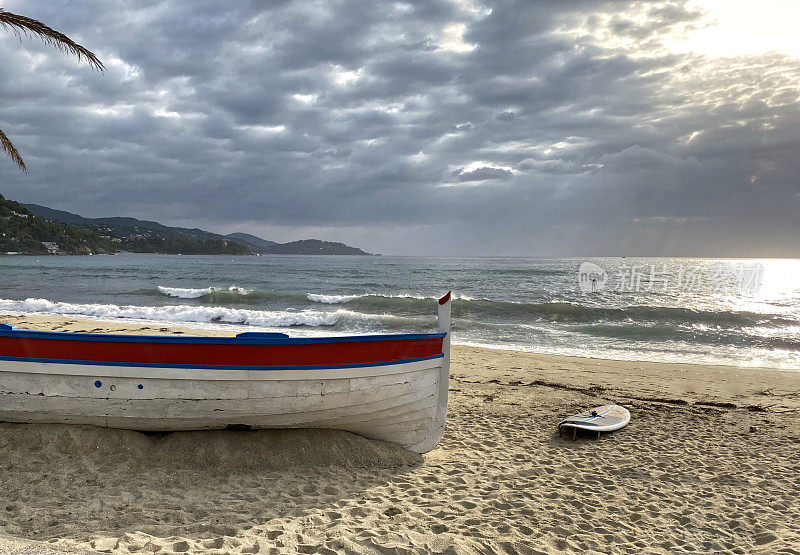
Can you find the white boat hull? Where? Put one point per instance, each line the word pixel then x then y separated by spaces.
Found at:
pixel 391 402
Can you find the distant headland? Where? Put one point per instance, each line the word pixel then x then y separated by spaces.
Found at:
pixel 36 229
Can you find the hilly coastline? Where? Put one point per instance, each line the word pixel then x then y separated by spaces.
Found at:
pixel 36 229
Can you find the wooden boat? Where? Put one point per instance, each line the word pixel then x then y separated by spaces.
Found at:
pixel 388 387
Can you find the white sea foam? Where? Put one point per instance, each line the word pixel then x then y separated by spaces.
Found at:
pixel 185 293
pixel 332 299
pixel 182 314
pixel 340 299
pixel 188 293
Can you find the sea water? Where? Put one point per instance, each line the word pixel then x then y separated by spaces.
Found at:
pixel 712 311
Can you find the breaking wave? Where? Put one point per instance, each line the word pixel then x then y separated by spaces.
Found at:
pixel 227 295
pixel 184 314
pixel 235 294
pixel 559 312
pixel 486 310
pixel 188 293
pixel 330 299
pixel 377 298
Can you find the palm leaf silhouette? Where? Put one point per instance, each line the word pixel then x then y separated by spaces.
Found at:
pixel 12 152
pixel 22 25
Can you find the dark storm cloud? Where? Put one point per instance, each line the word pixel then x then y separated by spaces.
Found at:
pixel 502 127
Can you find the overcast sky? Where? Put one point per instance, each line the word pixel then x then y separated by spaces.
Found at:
pixel 438 127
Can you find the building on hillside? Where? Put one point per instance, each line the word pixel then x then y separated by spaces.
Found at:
pixel 52 248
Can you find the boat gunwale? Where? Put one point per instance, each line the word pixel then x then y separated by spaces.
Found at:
pixel 210 340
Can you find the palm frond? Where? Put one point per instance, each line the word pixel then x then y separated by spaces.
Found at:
pixel 12 151
pixel 22 25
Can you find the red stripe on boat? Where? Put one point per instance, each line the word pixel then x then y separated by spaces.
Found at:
pixel 309 354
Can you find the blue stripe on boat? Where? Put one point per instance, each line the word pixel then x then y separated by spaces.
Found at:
pixel 213 367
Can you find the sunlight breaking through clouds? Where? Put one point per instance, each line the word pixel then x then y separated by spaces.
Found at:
pixel 744 28
pixel 453 38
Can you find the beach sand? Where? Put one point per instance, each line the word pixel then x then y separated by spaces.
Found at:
pixel 710 462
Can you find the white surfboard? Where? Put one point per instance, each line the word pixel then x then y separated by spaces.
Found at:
pixel 599 419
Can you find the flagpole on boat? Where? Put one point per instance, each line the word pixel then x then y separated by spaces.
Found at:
pixel 444 378
pixel 444 323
